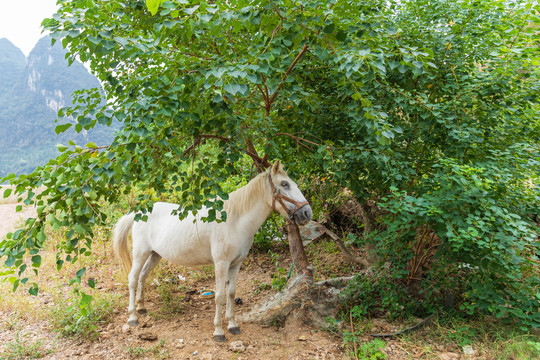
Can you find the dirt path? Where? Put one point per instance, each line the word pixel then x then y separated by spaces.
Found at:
pixel 9 218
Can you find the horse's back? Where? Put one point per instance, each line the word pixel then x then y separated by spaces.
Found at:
pixel 182 242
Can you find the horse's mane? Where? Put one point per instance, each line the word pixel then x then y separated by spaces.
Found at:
pixel 243 198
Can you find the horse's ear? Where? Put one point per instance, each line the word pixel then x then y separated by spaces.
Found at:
pixel 277 167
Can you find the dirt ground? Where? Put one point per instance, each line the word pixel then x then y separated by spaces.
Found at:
pixel 186 334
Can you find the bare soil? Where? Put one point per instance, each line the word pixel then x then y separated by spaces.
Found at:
pixel 186 334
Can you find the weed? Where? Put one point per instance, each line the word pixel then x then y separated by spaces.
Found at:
pixel 75 321
pixel 172 303
pixel 20 348
pixel 9 323
pixel 279 279
pixel 202 273
pixel 372 350
pixel 261 286
pixel 522 349
pixel 157 351
pixel 462 334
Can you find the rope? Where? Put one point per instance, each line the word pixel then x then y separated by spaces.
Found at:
pixel 290 272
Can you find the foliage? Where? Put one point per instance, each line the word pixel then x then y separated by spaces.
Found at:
pixel 270 232
pixel 522 350
pixel 369 350
pixel 279 279
pixel 377 295
pixel 372 350
pixel 81 318
pixel 428 107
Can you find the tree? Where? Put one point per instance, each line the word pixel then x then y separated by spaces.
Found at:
pixel 428 108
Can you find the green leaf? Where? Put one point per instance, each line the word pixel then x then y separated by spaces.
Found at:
pixel 328 29
pixel 191 10
pixel 122 41
pixel 81 272
pixel 61 147
pixel 10 261
pixel 36 261
pixel 33 290
pixel 62 128
pixel 7 192
pixel 153 5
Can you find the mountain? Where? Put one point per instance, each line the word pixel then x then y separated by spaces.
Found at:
pixel 31 92
pixel 12 62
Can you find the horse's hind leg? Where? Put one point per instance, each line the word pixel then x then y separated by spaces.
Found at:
pixel 231 293
pixel 149 265
pixel 139 259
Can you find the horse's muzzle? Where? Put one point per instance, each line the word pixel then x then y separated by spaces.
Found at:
pixel 303 215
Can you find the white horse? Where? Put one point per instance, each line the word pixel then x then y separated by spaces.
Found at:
pixel 193 242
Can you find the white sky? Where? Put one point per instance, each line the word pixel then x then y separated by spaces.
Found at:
pixel 20 21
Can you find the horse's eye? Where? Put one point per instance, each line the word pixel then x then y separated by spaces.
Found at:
pixel 284 184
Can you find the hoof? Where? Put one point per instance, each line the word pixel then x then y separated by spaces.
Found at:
pixel 219 338
pixel 133 323
pixel 142 311
pixel 235 330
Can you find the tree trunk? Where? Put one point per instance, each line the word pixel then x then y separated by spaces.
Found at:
pixel 298 255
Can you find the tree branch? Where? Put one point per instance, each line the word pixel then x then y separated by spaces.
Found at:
pixel 298 57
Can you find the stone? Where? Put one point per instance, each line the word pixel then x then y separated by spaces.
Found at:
pixel 237 346
pixel 449 356
pixel 126 329
pixel 148 336
pixel 468 350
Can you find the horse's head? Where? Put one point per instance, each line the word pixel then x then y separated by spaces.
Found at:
pixel 286 197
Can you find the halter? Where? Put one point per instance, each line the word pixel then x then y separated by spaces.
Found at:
pixel 276 195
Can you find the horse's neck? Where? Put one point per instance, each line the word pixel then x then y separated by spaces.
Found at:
pixel 252 220
pixel 249 208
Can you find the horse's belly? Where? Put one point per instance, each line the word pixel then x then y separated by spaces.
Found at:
pixel 183 246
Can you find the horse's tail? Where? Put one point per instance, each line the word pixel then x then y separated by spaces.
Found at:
pixel 120 237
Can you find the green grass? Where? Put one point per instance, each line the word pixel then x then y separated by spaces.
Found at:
pixel 490 339
pixel 157 351
pixel 24 348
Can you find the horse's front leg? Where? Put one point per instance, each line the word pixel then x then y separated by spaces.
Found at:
pixel 231 293
pixel 221 269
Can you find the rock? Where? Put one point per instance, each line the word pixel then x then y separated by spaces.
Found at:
pixel 126 329
pixel 449 356
pixel 146 324
pixel 148 336
pixel 468 350
pixel 237 346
